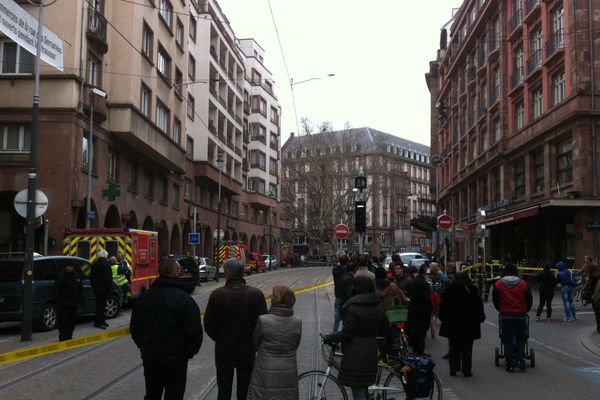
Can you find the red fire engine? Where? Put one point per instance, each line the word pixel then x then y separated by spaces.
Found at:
pixel 139 247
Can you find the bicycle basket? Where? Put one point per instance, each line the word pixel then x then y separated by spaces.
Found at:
pixel 397 314
pixel 417 375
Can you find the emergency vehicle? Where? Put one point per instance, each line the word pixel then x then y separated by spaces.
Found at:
pixel 139 247
pixel 229 250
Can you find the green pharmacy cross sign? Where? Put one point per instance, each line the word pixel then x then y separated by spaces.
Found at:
pixel 112 192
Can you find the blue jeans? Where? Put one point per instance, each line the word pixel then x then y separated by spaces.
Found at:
pixel 513 337
pixel 567 298
pixel 337 313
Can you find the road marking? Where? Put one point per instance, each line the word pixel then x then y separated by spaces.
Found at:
pixel 592 374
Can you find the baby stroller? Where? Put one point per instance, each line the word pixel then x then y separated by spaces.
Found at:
pixel 529 354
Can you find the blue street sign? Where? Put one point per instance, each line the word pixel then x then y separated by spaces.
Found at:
pixel 194 238
pixel 91 214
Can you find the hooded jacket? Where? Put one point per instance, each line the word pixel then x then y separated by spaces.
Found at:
pixel 564 275
pixel 512 296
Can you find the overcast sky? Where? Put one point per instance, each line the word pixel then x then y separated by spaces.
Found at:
pixel 379 51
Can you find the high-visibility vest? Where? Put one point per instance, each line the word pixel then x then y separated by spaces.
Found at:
pixel 120 279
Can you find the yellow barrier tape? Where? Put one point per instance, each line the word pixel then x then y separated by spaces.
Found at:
pixel 34 352
pixel 43 350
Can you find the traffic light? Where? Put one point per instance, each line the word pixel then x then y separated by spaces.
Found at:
pixel 360 216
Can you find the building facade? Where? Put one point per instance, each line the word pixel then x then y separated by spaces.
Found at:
pixel 175 78
pixel 513 103
pixel 319 172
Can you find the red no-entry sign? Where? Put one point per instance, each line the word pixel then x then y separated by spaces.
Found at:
pixel 445 222
pixel 341 231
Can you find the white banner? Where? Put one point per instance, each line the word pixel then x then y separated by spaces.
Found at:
pixel 21 27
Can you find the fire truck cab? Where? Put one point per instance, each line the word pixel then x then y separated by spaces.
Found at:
pixel 139 248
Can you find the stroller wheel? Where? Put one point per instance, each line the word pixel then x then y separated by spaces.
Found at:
pixel 497 357
pixel 532 358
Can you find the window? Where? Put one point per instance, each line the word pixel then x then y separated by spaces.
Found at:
pixel 176 193
pixel 536 49
pixel 257 185
pixel 273 166
pixel 538 103
pixel 273 140
pixel 178 81
pixel 519 170
pixel 176 131
pixel 558 86
pixel 94 71
pixel 257 159
pixel 189 149
pixel 192 68
pixel 163 116
pixel 258 132
pixel 149 189
pixel 85 148
pixel 193 28
pixel 132 175
pixel 497 130
pixel 557 27
pixel 16 138
pixel 165 10
pixel 113 166
pixel 147 41
pixel 538 171
pixel 519 63
pixel 191 106
pixel 188 189
pixel 164 190
pixel 565 161
pixel 519 115
pixel 256 78
pixel 179 35
pixel 163 63
pixel 14 59
pixel 145 100
pixel 274 115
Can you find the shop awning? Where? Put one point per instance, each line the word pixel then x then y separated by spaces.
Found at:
pixel 513 216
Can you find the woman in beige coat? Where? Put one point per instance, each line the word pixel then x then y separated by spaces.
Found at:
pixel 276 339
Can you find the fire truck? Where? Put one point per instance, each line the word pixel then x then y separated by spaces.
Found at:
pixel 229 250
pixel 139 247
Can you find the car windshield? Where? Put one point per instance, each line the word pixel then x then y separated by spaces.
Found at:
pixel 10 271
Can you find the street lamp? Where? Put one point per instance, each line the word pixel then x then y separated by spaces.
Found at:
pixel 220 162
pixel 436 161
pixel 270 230
pixel 292 84
pixel 95 92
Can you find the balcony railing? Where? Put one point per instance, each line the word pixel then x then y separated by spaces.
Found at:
pixel 516 20
pixel 517 77
pixel 211 127
pixel 534 61
pixel 494 95
pixel 470 74
pixel 555 42
pixel 481 58
pixel 482 109
pixel 531 4
pixel 97 28
pixel 213 52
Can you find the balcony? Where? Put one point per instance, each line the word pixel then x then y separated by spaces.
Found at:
pixel 515 22
pixel 482 110
pixel 494 46
pixel 245 166
pixel 530 7
pixel 516 78
pixel 494 96
pixel 555 42
pixel 213 53
pixel 471 74
pixel 238 151
pixel 100 107
pixel 96 30
pixel 247 108
pixel 142 135
pixel 211 127
pixel 535 61
pixel 246 137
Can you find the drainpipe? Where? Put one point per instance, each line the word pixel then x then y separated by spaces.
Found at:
pixel 81 61
pixel 593 99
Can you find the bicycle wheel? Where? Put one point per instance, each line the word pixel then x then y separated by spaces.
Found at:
pixel 337 358
pixel 316 385
pixel 578 298
pixel 436 391
pixel 392 388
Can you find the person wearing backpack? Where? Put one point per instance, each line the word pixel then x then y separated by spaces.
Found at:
pixel 565 279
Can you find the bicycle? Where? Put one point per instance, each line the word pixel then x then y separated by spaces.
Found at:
pixel 322 385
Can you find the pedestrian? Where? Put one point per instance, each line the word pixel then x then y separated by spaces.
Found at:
pixel 118 275
pixel 102 281
pixel 596 301
pixel 339 291
pixel 362 269
pixel 512 298
pixel 69 291
pixel 588 272
pixel 419 309
pixel 387 291
pixel 229 319
pixel 166 327
pixel 124 267
pixel 400 276
pixel 364 320
pixel 547 286
pixel 438 285
pixel 564 277
pixel 302 259
pixel 461 313
pixel 276 337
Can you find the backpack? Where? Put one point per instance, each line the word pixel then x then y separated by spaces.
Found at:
pixel 576 279
pixel 418 380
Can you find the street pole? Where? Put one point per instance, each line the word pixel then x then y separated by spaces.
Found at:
pixel 196 231
pixel 270 235
pixel 220 161
pixel 90 160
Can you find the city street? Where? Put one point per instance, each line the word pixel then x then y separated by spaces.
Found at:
pixel 567 358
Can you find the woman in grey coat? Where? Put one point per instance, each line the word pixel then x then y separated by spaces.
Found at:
pixel 276 338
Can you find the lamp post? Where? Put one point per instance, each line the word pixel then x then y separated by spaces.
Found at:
pixel 436 161
pixel 270 231
pixel 292 84
pixel 95 92
pixel 220 162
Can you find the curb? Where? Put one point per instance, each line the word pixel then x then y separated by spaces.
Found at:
pixel 589 344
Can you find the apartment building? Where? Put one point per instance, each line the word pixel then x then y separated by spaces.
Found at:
pixel 319 172
pixel 513 103
pixel 174 77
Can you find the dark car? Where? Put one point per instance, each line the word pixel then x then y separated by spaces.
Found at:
pixel 45 272
pixel 190 275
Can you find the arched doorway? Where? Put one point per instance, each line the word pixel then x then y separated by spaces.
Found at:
pixel 253 243
pixel 163 238
pixel 234 237
pixel 148 224
pixel 263 249
pixel 187 248
pixel 132 222
pixel 112 218
pixel 81 215
pixel 244 238
pixel 176 240
pixel 208 243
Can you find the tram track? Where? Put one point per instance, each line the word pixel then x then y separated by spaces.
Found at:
pixel 114 383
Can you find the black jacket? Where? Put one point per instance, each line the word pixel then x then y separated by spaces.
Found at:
pixel 337 272
pixel 461 312
pixel 165 322
pixel 364 319
pixel 69 290
pixel 547 282
pixel 230 319
pixel 101 276
pixel 343 288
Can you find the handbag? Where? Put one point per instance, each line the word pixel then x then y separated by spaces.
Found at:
pixel 397 312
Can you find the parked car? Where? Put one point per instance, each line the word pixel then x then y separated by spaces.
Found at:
pixel 386 262
pixel 206 269
pixel 270 261
pixel 190 274
pixel 406 257
pixel 255 262
pixel 45 271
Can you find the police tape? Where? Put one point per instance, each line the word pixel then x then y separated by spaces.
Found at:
pixel 47 349
pixel 43 350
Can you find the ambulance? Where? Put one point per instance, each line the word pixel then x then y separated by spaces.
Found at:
pixel 139 247
pixel 231 249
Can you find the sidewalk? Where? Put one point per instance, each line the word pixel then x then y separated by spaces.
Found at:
pixel 591 341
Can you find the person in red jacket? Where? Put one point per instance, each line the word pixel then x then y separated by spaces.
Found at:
pixel 512 298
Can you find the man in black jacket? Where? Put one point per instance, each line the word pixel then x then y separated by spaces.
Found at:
pixel 339 290
pixel 101 280
pixel 166 326
pixel 69 292
pixel 229 320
